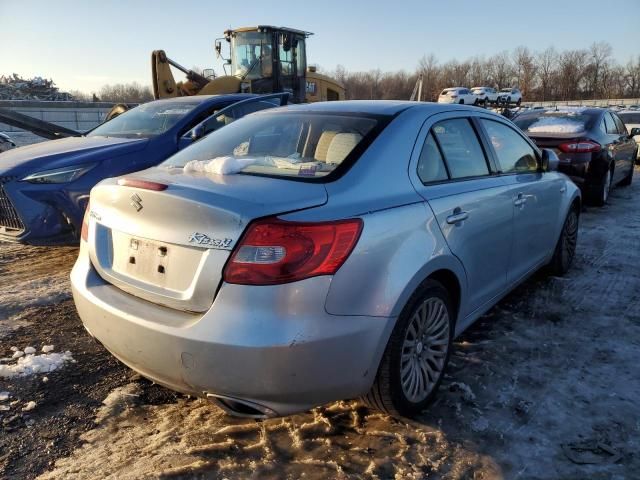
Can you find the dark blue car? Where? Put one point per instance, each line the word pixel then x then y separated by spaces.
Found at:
pixel 44 188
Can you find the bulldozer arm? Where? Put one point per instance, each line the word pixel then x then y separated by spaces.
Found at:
pixel 165 85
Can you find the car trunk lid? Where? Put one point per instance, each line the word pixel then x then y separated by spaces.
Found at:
pixel 170 246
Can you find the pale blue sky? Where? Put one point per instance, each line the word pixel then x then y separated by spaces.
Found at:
pixel 85 44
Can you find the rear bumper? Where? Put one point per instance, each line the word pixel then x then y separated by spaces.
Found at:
pixel 274 347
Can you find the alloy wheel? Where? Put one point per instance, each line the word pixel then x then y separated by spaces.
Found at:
pixel 570 238
pixel 607 186
pixel 424 350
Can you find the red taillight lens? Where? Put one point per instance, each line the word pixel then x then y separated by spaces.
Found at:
pixel 144 184
pixel 580 146
pixel 274 251
pixel 84 233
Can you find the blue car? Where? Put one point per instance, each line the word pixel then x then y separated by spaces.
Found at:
pixel 44 188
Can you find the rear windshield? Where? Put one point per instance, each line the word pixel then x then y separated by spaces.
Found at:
pixel 554 122
pixel 146 120
pixel 297 145
pixel 632 117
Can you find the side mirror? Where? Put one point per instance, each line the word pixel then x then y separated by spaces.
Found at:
pixel 549 161
pixel 634 131
pixel 197 132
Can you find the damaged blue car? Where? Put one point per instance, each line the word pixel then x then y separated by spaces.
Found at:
pixel 44 188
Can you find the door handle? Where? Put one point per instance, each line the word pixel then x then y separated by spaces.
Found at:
pixel 520 200
pixel 457 217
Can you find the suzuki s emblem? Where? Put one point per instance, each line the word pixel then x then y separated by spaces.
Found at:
pixel 136 202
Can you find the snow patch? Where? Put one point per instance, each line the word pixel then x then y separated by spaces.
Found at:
pixel 47 349
pixel 29 406
pixel 4 396
pixel 30 364
pixel 556 125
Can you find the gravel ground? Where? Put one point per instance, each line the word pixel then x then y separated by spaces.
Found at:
pixel 544 386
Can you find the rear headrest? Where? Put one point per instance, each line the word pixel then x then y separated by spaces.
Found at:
pixel 323 145
pixel 341 146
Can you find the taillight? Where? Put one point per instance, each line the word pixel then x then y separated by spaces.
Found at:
pixel 580 146
pixel 275 251
pixel 84 233
pixel 144 184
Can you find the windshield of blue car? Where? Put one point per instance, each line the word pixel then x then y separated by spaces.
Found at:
pixel 147 120
pixel 299 145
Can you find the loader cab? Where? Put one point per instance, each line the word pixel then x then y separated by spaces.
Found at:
pixel 269 59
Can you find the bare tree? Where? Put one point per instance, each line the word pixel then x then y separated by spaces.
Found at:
pixel 546 63
pixel 500 70
pixel 428 67
pixel 571 71
pixel 599 62
pixel 524 69
pixel 127 93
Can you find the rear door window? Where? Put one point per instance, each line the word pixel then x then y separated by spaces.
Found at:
pixel 610 124
pixel 461 148
pixel 619 124
pixel 431 166
pixel 514 153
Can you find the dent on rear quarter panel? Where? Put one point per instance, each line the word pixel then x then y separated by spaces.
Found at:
pixel 397 250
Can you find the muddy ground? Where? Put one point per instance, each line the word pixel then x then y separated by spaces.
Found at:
pixel 545 386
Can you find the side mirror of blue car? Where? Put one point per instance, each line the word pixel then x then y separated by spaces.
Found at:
pixel 549 161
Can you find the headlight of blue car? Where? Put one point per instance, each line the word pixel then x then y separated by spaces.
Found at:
pixel 59 175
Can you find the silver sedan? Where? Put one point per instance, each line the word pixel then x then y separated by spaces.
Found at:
pixel 320 252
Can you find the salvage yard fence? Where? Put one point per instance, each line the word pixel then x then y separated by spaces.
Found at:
pixel 80 116
pixel 607 102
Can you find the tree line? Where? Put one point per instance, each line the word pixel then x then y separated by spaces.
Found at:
pixel 590 73
pixel 117 93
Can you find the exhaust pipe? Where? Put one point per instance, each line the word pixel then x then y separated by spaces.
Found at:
pixel 241 408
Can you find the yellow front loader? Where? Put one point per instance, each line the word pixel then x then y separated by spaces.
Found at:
pixel 263 59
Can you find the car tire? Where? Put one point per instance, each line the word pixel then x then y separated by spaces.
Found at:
pixel 519 102
pixel 626 181
pixel 409 373
pixel 486 101
pixel 565 250
pixel 476 101
pixel 601 191
pixel 508 100
pixel 461 102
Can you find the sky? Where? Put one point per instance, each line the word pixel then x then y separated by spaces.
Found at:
pixel 83 45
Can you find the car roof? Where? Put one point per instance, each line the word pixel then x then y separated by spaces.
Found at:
pixel 373 107
pixel 234 97
pixel 568 110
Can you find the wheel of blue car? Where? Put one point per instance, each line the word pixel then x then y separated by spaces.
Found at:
pixel 417 354
pixel 565 250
